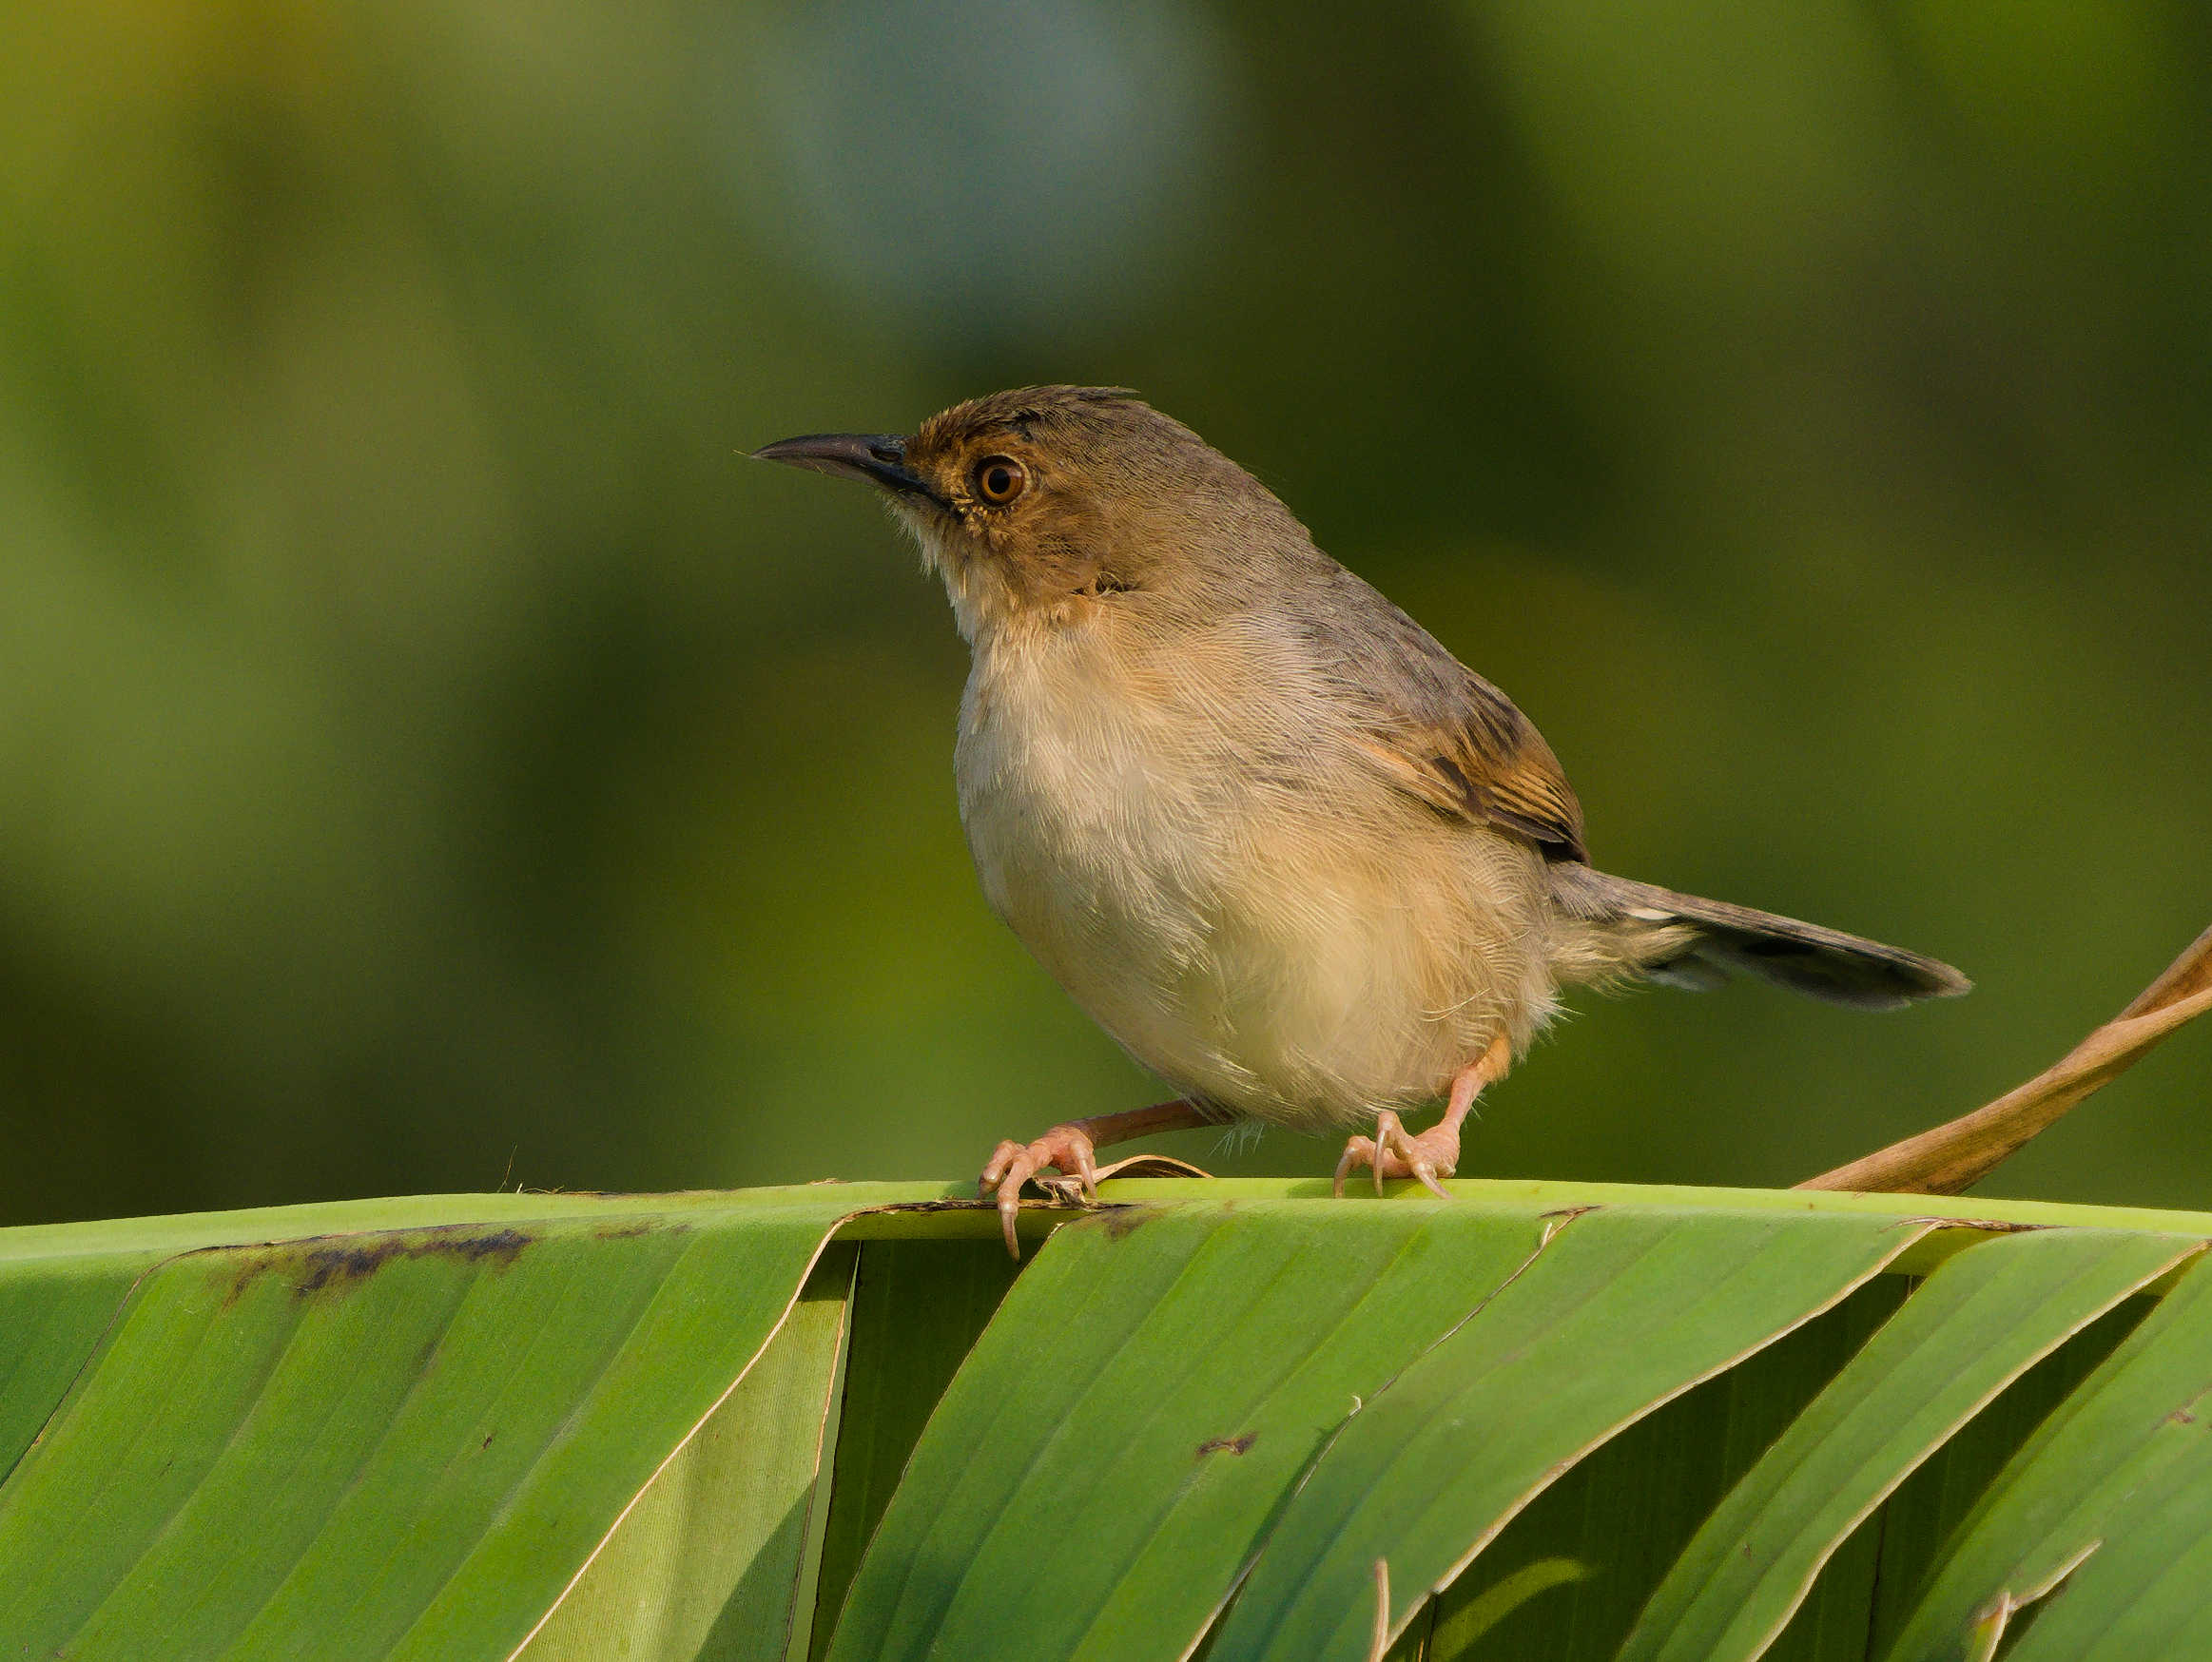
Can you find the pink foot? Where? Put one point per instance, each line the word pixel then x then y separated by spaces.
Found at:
pixel 1394 1152
pixel 1067 1148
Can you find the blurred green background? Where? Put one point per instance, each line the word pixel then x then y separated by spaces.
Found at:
pixel 431 757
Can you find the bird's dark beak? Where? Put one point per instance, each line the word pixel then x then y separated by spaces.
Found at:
pixel 878 457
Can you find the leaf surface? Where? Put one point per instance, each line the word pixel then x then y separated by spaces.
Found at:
pixel 1623 1515
pixel 380 1443
pixel 709 1561
pixel 918 1309
pixel 1627 1308
pixel 1981 1320
pixel 1113 1451
pixel 2122 1466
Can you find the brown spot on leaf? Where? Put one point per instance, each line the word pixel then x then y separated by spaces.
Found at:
pixel 1985 1225
pixel 1120 1222
pixel 326 1267
pixel 2182 1417
pixel 323 1261
pixel 1234 1445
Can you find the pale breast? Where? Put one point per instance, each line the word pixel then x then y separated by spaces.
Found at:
pixel 1280 937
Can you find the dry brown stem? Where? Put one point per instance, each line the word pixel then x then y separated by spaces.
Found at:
pixel 1960 1154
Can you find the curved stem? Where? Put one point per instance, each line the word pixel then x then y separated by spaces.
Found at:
pixel 1961 1153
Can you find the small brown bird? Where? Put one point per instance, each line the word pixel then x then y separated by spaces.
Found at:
pixel 1296 858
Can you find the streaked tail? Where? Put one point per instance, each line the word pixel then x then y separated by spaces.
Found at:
pixel 1683 940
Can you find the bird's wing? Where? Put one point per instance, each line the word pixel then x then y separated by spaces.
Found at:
pixel 1434 728
pixel 1481 759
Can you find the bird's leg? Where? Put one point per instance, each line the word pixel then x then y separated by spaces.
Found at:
pixel 1069 1147
pixel 1394 1152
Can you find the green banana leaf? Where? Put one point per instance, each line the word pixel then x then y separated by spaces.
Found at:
pixel 1237 1420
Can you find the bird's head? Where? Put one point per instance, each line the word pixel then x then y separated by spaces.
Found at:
pixel 1040 505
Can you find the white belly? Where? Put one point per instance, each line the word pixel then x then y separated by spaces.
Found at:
pixel 1237 929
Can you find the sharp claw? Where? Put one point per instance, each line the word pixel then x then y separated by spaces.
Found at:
pixel 1347 1164
pixel 1010 1209
pixel 1394 1152
pixel 1387 1131
pixel 1013 1165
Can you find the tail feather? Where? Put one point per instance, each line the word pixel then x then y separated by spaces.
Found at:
pixel 1688 941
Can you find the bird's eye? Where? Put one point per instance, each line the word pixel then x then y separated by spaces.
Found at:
pixel 1000 479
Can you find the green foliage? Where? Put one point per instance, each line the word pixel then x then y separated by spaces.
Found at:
pixel 300 1434
pixel 1981 1321
pixel 1546 1422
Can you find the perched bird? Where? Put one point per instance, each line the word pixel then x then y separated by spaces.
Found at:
pixel 1296 858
